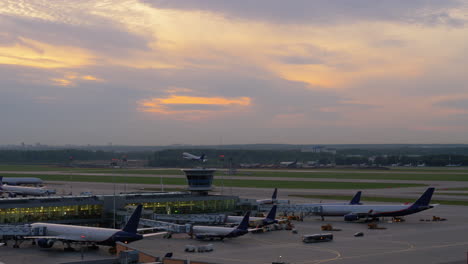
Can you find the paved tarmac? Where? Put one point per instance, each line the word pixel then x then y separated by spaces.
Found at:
pixel 412 241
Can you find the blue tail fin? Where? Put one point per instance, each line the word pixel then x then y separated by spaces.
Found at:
pixel 275 193
pixel 356 199
pixel 1 182
pixel 244 225
pixel 272 214
pixel 425 199
pixel 133 221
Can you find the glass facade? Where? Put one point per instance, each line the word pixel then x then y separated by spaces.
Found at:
pixel 189 207
pixel 47 213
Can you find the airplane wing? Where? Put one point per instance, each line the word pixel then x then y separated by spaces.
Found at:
pixel 208 235
pixel 147 229
pixel 155 234
pixel 46 237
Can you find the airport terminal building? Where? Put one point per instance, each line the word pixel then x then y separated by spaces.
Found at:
pixel 102 210
pixel 99 209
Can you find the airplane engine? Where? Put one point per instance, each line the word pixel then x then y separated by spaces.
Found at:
pixel 45 243
pixel 351 217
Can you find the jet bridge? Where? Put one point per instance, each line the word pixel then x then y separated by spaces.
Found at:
pixel 209 219
pixel 169 227
pixel 18 232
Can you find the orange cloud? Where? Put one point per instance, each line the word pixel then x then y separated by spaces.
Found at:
pixel 191 107
pixel 70 79
pixel 37 54
pixel 62 82
pixel 91 78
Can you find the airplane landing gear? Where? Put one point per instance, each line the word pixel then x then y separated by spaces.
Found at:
pixel 68 248
pixel 112 250
pixel 93 246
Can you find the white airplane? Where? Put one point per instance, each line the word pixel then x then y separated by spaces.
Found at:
pixel 189 156
pixel 268 220
pixel 355 200
pixel 22 180
pixel 353 212
pixel 89 235
pixel 12 191
pixel 217 232
pixel 269 201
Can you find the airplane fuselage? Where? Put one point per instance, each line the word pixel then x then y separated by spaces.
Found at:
pixel 22 190
pixel 98 235
pixel 216 232
pixel 372 210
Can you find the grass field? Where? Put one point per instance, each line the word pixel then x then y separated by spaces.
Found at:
pixel 411 174
pixel 378 199
pixel 457 189
pixel 220 182
pixel 357 175
pixel 454 194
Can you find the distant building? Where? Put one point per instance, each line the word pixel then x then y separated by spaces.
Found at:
pixel 318 149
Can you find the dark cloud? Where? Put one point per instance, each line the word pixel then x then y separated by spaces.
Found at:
pixel 102 35
pixel 100 112
pixel 454 104
pixel 426 12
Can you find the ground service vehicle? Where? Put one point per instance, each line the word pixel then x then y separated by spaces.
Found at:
pixel 317 238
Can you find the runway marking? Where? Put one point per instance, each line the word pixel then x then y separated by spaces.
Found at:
pixel 413 248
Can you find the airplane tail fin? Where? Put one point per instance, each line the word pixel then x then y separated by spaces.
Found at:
pixel 272 214
pixel 356 199
pixel 275 194
pixel 134 220
pixel 1 182
pixel 202 157
pixel 244 225
pixel 425 198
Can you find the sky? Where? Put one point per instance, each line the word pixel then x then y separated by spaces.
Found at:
pixel 213 72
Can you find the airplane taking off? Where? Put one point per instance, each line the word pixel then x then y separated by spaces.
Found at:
pixel 353 212
pixel 84 234
pixel 288 164
pixel 216 232
pixel 268 220
pixel 12 191
pixel 189 156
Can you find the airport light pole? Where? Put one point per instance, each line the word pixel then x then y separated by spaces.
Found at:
pixel 162 186
pixel 113 179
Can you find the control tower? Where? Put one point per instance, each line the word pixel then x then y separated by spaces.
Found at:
pixel 199 180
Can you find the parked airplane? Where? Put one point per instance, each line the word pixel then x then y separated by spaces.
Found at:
pixel 216 232
pixel 12 191
pixel 355 200
pixel 189 156
pixel 89 235
pixel 273 199
pixel 355 212
pixel 268 220
pixel 22 181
